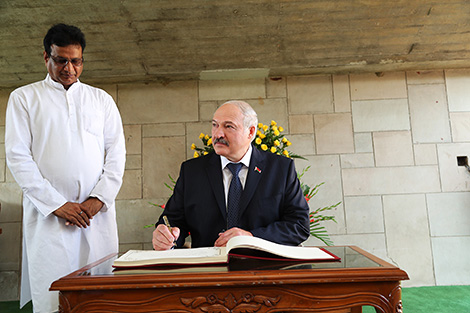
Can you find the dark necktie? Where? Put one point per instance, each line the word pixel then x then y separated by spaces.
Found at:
pixel 234 195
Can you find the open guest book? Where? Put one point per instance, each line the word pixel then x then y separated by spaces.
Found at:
pixel 240 247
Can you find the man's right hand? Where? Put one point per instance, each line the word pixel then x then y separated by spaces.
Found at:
pixel 74 213
pixel 163 239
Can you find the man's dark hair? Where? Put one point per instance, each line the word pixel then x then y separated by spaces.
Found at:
pixel 63 35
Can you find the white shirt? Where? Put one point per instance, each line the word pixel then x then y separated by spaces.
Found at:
pixel 227 174
pixel 63 146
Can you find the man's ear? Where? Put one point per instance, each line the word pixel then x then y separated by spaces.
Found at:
pixel 46 57
pixel 251 132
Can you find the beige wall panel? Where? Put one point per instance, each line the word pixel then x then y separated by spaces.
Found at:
pixel 276 87
pixel 460 126
pixel 333 133
pixel 163 130
pixel 133 162
pixel 301 124
pixel 232 89
pixel 363 142
pixel 364 215
pixel 451 255
pixel 392 85
pixel 393 148
pixel 10 247
pixel 425 154
pixel 390 180
pixel 207 109
pixel 458 93
pixel 133 216
pixel 4 95
pixel 132 185
pixel 10 282
pixel 357 160
pixel 341 93
pixel 3 165
pixel 310 94
pixel 428 103
pixel 411 253
pixel 380 115
pixel 11 198
pixel 424 77
pixel 133 136
pixel 302 144
pixel 157 103
pixel 161 156
pixel 272 109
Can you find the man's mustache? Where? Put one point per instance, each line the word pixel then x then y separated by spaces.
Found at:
pixel 220 140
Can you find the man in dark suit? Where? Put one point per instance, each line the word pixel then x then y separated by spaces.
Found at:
pixel 271 205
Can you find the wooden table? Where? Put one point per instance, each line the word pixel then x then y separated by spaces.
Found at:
pixel 242 286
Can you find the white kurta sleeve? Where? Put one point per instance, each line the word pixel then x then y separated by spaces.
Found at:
pixel 110 180
pixel 18 143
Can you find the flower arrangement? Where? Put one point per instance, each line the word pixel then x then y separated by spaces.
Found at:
pixel 270 138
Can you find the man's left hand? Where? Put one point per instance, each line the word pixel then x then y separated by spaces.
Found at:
pixel 226 235
pixel 92 206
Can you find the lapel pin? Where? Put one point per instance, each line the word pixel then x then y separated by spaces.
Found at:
pixel 257 169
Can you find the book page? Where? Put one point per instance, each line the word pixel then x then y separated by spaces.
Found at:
pixel 140 255
pixel 293 252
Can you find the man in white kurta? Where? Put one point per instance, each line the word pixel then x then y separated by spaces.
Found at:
pixel 64 146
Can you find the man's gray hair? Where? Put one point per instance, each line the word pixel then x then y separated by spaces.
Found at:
pixel 250 118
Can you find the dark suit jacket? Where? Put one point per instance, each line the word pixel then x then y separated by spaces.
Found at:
pixel 272 203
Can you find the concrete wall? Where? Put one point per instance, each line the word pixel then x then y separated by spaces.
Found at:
pixel 385 145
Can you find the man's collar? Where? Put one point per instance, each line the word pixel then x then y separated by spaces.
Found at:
pixel 57 85
pixel 245 160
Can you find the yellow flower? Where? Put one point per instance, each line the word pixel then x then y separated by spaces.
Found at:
pixel 209 142
pixel 196 155
pixel 264 147
pixel 262 136
pixel 205 152
pixel 258 133
pixel 201 135
pixel 273 123
pixel 281 129
pixel 193 147
pixel 265 127
pixel 258 141
pixel 288 143
pixel 276 132
pixel 273 149
pixel 206 137
pixel 277 143
pixel 274 128
pixel 284 140
pixel 285 153
pixel 260 125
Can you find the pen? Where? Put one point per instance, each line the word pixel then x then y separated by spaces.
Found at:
pixel 167 223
